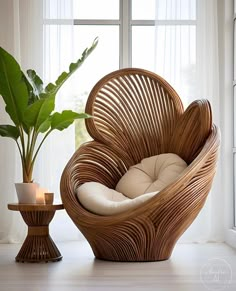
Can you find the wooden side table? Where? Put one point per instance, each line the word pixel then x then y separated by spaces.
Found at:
pixel 38 245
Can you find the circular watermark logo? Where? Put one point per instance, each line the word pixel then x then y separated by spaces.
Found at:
pixel 216 274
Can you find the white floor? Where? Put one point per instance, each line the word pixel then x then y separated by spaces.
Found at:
pixel 192 267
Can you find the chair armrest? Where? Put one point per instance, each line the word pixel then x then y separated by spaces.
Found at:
pixel 192 130
pixel 188 193
pixel 96 162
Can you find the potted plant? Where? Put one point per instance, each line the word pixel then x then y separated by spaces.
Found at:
pixel 30 106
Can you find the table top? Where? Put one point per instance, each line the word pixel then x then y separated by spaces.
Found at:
pixel 35 207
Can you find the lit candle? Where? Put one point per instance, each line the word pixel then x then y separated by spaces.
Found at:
pixel 40 195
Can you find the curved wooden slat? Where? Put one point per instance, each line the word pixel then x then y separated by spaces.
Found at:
pixel 191 130
pixel 134 110
pixel 138 114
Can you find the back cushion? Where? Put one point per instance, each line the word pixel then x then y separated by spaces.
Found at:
pixel 152 174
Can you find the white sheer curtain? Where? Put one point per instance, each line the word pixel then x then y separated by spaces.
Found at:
pixel 175 45
pixel 48 50
pixel 59 52
pixel 21 35
pixel 187 56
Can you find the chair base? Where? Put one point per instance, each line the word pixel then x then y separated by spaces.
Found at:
pixel 126 253
pixel 145 260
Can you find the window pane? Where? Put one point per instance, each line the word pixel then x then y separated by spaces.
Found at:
pixel 175 60
pixel 164 9
pixel 52 9
pixel 105 57
pixel 64 44
pixel 94 9
pixel 58 50
pixel 143 9
pixel 103 60
pixel 143 44
pixel 176 9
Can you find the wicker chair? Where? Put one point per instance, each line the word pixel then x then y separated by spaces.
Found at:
pixel 137 114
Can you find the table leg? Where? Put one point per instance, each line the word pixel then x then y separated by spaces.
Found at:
pixel 38 245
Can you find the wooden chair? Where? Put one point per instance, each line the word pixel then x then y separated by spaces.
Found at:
pixel 137 114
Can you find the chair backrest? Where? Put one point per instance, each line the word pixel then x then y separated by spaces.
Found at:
pixel 134 111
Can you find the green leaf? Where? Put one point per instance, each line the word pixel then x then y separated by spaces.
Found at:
pixel 36 82
pixel 37 113
pixel 46 95
pixel 32 96
pixel 12 87
pixel 9 131
pixel 44 127
pixel 53 88
pixel 62 120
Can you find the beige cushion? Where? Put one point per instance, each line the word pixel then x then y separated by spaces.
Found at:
pixel 140 183
pixel 102 200
pixel 152 174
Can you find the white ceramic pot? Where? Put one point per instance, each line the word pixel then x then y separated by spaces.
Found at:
pixel 26 192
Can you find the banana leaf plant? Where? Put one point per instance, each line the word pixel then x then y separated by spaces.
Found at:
pixel 30 106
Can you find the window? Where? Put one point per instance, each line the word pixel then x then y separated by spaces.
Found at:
pixel 165 36
pixel 164 41
pixel 156 35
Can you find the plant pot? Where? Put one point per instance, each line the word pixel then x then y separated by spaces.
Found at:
pixel 26 192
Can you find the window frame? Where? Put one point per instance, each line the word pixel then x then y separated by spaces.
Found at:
pixel 124 33
pixel 125 23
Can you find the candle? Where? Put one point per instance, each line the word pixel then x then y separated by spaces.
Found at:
pixel 48 197
pixel 40 199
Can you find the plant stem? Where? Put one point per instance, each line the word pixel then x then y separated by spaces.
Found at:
pixel 27 176
pixel 22 140
pixel 42 141
pixel 18 146
pixel 32 146
pixel 36 153
pixel 32 137
pixel 28 141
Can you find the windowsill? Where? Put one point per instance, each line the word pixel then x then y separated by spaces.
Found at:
pixel 230 237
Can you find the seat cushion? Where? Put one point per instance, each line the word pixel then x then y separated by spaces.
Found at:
pixel 152 174
pixel 139 184
pixel 102 200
